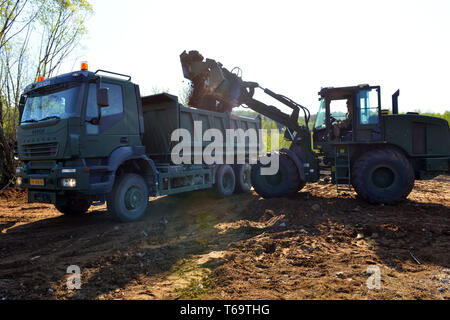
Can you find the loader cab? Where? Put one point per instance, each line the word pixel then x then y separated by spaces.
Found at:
pixel 348 114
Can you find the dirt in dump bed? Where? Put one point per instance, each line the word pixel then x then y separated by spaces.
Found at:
pixel 315 245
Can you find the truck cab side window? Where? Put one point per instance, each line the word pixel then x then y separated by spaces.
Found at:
pixel 115 104
pixel 115 101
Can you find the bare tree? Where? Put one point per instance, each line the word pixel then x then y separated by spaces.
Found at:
pixel 63 26
pixel 60 24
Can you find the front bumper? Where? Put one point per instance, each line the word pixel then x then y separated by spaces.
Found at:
pixel 52 180
pixel 44 181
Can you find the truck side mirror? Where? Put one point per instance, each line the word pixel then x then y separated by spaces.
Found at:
pixel 22 101
pixel 103 97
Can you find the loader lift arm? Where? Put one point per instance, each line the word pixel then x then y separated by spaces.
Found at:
pixel 289 121
pixel 213 84
pixel 216 88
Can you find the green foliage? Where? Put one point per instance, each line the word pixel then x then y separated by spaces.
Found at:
pixel 445 115
pixel 158 89
pixel 183 95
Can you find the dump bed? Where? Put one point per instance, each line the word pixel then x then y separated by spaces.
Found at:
pixel 163 114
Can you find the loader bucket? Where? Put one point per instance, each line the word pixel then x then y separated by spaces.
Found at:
pixel 213 87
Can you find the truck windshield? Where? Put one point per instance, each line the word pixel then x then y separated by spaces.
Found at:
pixel 320 120
pixel 56 102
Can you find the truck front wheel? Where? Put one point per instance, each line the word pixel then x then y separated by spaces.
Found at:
pixel 129 198
pixel 383 176
pixel 74 206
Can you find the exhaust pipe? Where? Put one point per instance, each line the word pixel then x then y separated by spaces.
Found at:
pixel 395 102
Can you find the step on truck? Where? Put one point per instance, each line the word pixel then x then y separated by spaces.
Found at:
pixel 86 138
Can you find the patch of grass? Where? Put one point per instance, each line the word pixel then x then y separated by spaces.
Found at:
pixel 192 290
pixel 190 280
pixel 206 221
pixel 202 242
pixel 371 242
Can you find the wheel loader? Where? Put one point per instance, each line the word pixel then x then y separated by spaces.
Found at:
pixel 379 153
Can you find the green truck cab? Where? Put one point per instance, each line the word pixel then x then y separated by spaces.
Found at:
pixel 86 138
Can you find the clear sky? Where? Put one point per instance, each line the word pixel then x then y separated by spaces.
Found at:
pixel 292 47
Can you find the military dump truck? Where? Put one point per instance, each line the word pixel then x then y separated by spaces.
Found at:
pixel 363 146
pixel 89 137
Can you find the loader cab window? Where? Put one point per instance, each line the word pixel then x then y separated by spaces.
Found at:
pixel 368 106
pixel 338 109
pixel 320 120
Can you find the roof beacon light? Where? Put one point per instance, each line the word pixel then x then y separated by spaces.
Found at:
pixel 84 66
pixel 40 79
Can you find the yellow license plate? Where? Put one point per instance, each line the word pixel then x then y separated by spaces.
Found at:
pixel 37 182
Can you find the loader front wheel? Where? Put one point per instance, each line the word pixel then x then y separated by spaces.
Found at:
pixel 285 182
pixel 383 176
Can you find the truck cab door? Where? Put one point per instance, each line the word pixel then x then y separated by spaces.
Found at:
pixel 367 115
pixel 111 131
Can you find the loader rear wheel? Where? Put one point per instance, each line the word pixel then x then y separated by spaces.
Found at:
pixel 74 206
pixel 129 198
pixel 243 177
pixel 285 182
pixel 225 180
pixel 383 176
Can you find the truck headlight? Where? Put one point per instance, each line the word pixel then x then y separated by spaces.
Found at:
pixel 69 182
pixel 19 181
pixel 68 170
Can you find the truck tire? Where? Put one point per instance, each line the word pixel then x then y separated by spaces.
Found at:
pixel 74 206
pixel 129 198
pixel 242 173
pixel 383 176
pixel 225 180
pixel 285 183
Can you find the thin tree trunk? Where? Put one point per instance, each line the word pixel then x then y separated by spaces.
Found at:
pixel 7 164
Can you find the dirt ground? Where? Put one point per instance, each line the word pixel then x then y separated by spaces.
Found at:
pixel 315 245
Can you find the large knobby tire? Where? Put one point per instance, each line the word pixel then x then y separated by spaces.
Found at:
pixel 129 198
pixel 243 177
pixel 286 182
pixel 383 176
pixel 225 180
pixel 74 206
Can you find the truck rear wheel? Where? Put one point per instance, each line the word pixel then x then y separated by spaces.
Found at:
pixel 243 177
pixel 225 180
pixel 129 198
pixel 383 176
pixel 74 206
pixel 285 182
